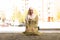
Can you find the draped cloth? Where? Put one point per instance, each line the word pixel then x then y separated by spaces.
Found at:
pixel 31 23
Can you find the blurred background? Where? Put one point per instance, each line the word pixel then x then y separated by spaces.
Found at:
pixel 15 11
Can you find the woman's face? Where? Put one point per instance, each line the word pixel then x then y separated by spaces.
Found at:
pixel 30 11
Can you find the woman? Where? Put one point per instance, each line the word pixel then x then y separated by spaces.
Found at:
pixel 31 22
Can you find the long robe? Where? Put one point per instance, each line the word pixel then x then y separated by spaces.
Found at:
pixel 31 23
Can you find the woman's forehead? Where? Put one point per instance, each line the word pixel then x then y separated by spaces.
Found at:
pixel 30 8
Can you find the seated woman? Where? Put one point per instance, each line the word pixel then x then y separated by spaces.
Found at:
pixel 31 22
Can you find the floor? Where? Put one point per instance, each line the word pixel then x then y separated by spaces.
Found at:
pixel 20 36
